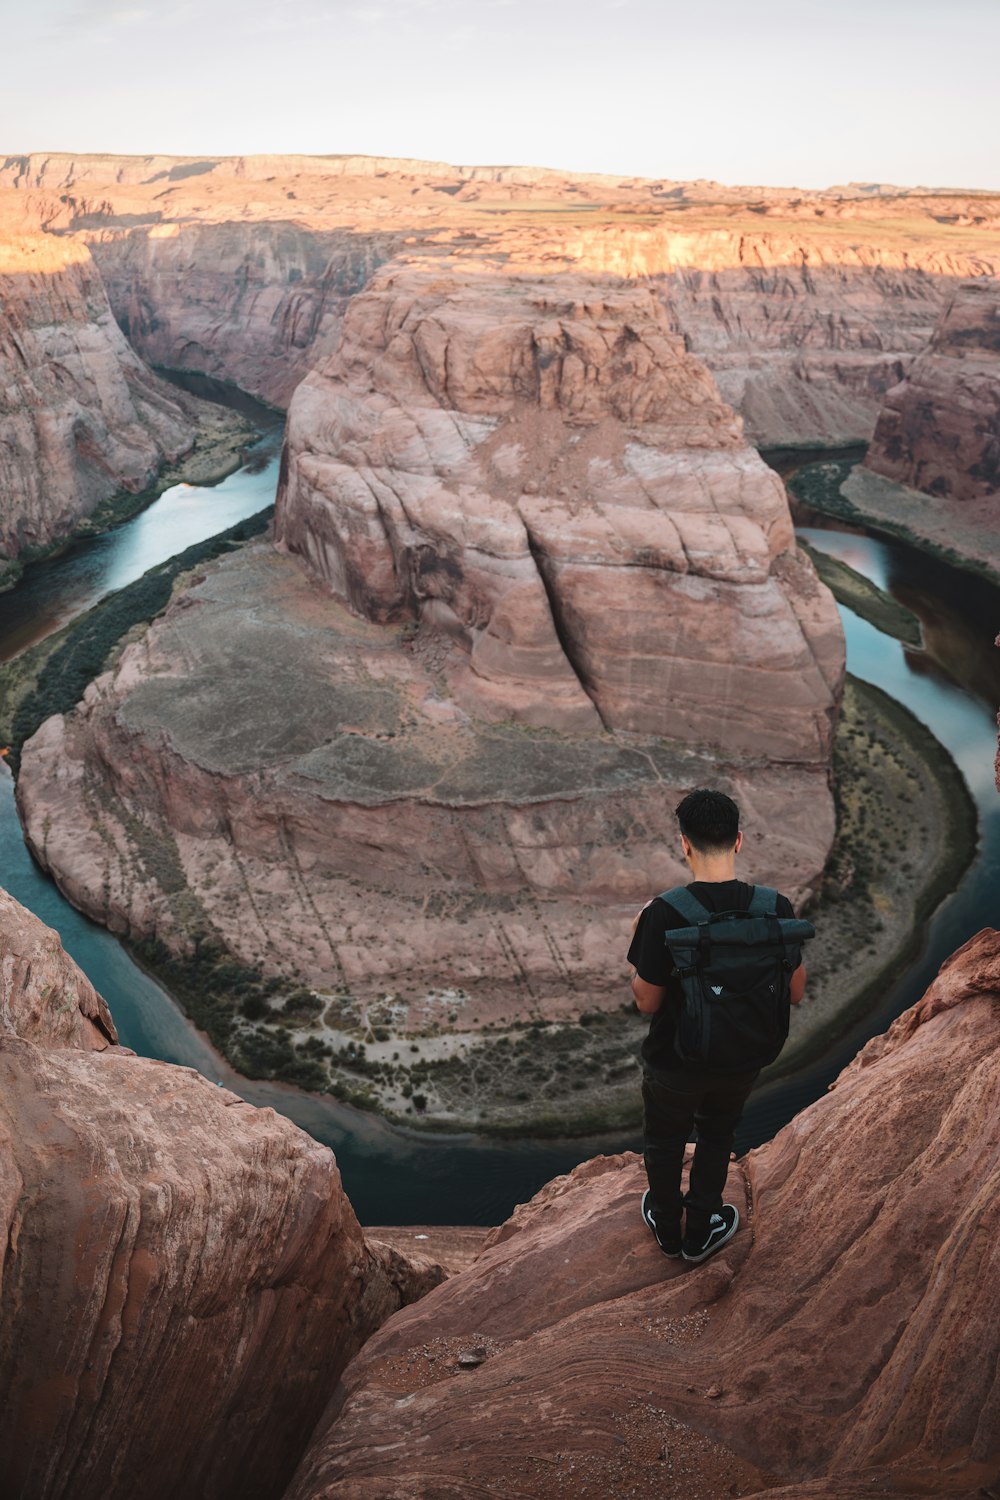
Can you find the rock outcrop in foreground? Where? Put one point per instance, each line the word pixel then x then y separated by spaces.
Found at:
pixel 846 1342
pixel 81 416
pixel 183 1277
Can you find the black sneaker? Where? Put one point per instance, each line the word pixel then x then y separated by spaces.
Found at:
pixel 669 1243
pixel 721 1227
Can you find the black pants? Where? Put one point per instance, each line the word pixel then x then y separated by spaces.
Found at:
pixel 675 1101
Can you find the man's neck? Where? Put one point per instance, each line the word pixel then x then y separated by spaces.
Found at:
pixel 712 868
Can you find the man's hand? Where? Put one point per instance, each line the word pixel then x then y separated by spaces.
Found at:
pixel 797 985
pixel 648 997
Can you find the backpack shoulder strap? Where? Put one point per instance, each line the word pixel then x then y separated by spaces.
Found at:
pixel 681 899
pixel 763 902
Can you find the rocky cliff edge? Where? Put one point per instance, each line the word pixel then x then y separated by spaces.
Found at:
pixel 183 1278
pixel 844 1343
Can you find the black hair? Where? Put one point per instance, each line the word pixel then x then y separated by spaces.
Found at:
pixel 709 820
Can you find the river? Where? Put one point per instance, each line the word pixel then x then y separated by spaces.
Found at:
pixel 400 1176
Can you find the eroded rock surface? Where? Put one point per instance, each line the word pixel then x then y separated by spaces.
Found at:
pixel 267 765
pixel 845 1342
pixel 183 1276
pixel 939 429
pixel 933 467
pixel 807 306
pixel 81 417
pixel 541 470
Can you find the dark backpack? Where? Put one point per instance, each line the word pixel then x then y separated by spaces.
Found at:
pixel 735 969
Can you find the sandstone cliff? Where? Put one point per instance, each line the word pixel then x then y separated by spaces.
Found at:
pixel 539 469
pixel 81 416
pixel 933 468
pixel 549 589
pixel 939 429
pixel 844 1343
pixel 183 1277
pixel 807 307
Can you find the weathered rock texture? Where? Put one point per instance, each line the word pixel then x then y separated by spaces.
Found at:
pixel 44 997
pixel 939 429
pixel 81 416
pixel 806 306
pixel 932 471
pixel 269 766
pixel 844 1343
pixel 541 470
pixel 183 1277
pixel 254 304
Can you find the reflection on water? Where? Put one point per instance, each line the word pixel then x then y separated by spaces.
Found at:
pixel 959 612
pixel 55 591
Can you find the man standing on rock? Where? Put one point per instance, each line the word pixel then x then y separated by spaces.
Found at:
pixel 687 1081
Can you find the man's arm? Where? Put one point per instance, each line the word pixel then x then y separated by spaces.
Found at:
pixel 648 997
pixel 798 985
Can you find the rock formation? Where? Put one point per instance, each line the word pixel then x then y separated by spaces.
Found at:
pixel 542 471
pixel 555 567
pixel 933 468
pixel 183 1276
pixel 254 304
pixel 81 417
pixel 241 267
pixel 844 1343
pixel 939 429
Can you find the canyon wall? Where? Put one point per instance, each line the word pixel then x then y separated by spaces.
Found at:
pixel 845 1342
pixel 81 416
pixel 256 304
pixel 939 429
pixel 540 470
pixel 803 332
pixel 183 1278
pixel 806 306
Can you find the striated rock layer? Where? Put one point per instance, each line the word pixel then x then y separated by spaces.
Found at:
pixel 81 416
pixel 844 1343
pixel 183 1277
pixel 542 471
pixel 270 767
pixel 806 306
pixel 939 429
pixel 932 471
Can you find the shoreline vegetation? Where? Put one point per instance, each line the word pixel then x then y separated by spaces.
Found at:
pixel 51 676
pixel 864 597
pixel 219 449
pixel 832 487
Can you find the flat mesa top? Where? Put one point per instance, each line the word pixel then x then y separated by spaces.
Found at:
pixel 351 709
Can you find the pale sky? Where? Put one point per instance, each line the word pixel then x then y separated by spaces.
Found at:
pixel 781 92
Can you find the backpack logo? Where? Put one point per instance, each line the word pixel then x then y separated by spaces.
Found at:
pixel 716 989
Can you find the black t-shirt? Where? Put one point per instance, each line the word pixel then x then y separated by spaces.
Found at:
pixel 650 956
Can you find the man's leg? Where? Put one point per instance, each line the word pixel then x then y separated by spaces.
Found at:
pixel 720 1108
pixel 668 1118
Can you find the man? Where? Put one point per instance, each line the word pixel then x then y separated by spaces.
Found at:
pixel 679 1095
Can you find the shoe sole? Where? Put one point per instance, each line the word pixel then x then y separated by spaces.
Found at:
pixel 695 1260
pixel 670 1254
